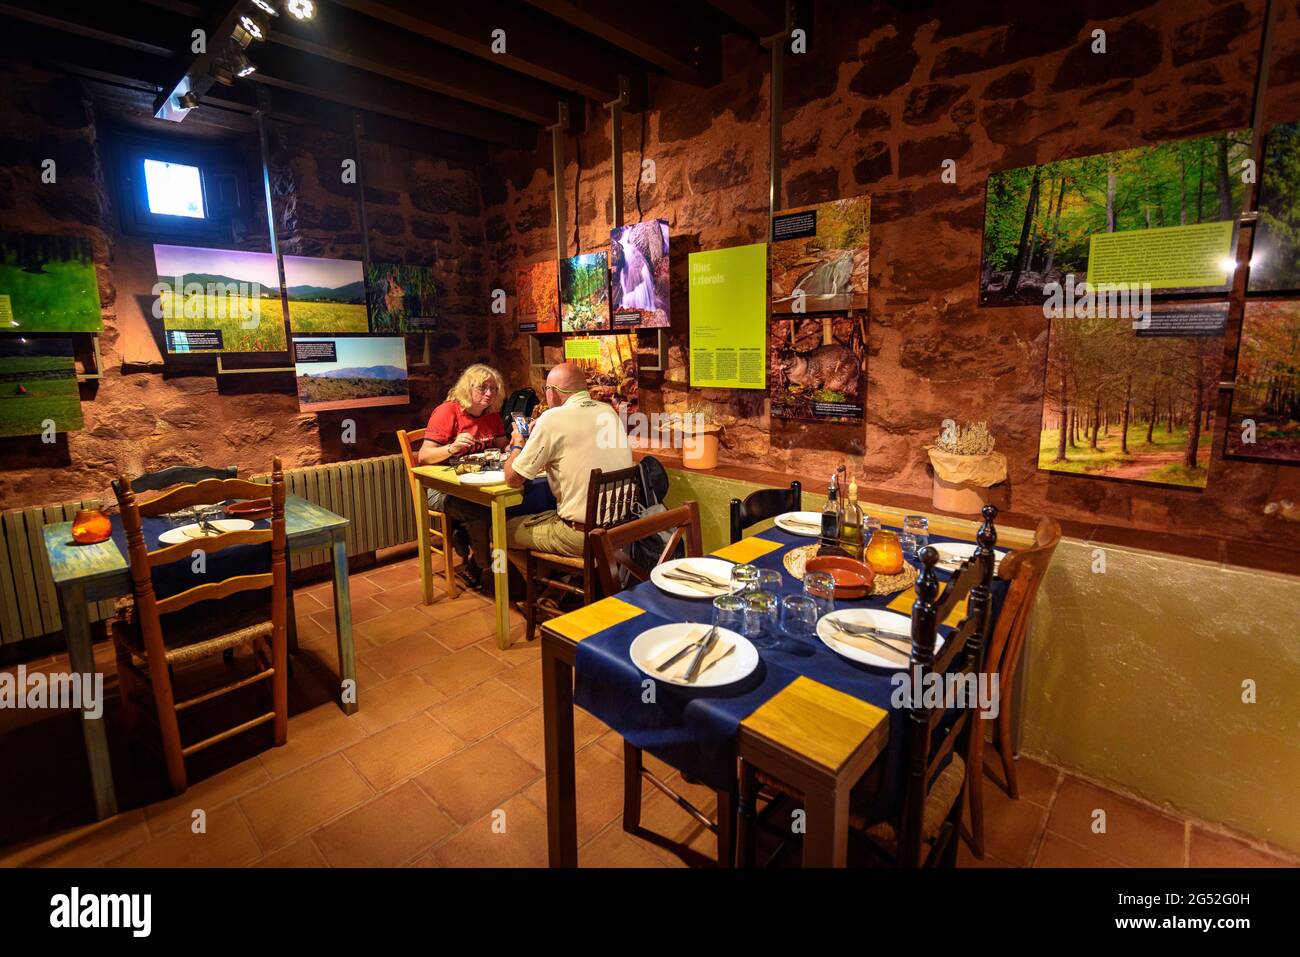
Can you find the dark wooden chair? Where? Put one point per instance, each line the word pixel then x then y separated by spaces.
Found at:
pixel 1024 570
pixel 610 548
pixel 151 638
pixel 180 475
pixel 611 501
pixel 761 505
pixel 941 743
pixel 433 527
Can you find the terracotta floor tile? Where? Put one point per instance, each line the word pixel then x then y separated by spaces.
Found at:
pixel 519 650
pixel 614 847
pixel 396 575
pixel 404 654
pixel 518 840
pixel 363 610
pixel 1135 835
pixel 409 595
pixel 226 841
pixel 390 626
pixel 1058 851
pixel 87 846
pixel 291 806
pixel 449 608
pixel 301 853
pixel 599 790
pixel 1037 782
pixel 385 831
pixel 525 679
pixel 527 735
pixel 481 710
pixel 674 829
pixel 1011 828
pixel 966 859
pixel 400 750
pixel 476 780
pixel 359 588
pixel 1209 849
pixel 312 735
pixel 311 631
pixel 460 671
pixel 396 700
pixel 306 602
pixel 208 795
pixel 467 629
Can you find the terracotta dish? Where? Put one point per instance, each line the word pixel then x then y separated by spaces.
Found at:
pixel 852 578
pixel 254 509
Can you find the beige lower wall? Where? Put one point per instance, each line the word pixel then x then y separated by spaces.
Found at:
pixel 1134 674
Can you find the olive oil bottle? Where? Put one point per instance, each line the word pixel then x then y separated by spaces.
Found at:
pixel 851 526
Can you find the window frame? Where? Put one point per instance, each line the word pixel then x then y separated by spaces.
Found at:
pixel 211 159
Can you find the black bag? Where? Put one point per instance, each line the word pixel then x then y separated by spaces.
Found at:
pixel 521 402
pixel 646 551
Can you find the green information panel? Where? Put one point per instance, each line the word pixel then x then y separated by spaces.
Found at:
pixel 582 348
pixel 1172 257
pixel 728 317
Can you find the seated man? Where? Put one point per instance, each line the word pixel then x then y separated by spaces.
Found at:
pixel 573 436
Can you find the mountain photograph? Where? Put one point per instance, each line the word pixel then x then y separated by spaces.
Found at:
pixel 230 291
pixel 325 295
pixel 350 373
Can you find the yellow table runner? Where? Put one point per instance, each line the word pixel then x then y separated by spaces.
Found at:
pixel 903 601
pixel 747 549
pixel 596 617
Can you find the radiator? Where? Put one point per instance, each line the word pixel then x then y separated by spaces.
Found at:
pixel 371 493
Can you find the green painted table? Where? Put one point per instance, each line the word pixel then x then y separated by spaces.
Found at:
pixel 90 573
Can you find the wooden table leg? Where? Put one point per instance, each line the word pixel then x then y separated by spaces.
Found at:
pixel 343 624
pixel 501 573
pixel 826 841
pixel 291 614
pixel 425 539
pixel 561 784
pixel 81 660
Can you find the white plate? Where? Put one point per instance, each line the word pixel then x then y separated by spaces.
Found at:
pixel 713 567
pixel 651 648
pixel 188 533
pixel 953 554
pixel 783 523
pixel 494 477
pixel 887 621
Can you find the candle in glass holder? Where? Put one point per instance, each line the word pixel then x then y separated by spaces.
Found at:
pixel 885 553
pixel 91 524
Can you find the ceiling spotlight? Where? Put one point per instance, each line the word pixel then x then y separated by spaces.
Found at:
pixel 266 8
pixel 252 27
pixel 302 9
pixel 188 100
pixel 241 64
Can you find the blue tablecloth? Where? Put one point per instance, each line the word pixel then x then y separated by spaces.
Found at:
pixel 695 730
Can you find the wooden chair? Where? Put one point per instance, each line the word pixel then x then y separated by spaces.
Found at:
pixel 761 505
pixel 149 641
pixel 611 500
pixel 610 548
pixel 1024 569
pixel 429 522
pixel 180 475
pixel 926 831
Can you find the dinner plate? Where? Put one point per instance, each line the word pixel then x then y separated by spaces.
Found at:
pixel 651 648
pixel 952 554
pixel 887 621
pixel 712 567
pixel 494 477
pixel 786 522
pixel 188 533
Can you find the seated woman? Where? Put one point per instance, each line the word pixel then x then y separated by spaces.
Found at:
pixel 469 421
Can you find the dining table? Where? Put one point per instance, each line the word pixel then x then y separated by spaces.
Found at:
pixel 84 574
pixel 806 715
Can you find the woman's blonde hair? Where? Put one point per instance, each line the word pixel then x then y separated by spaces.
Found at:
pixel 472 378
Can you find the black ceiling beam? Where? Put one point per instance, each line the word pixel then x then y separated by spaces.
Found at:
pixel 674 40
pixel 361 42
pixel 195 74
pixel 760 18
pixel 534 46
pixel 95 21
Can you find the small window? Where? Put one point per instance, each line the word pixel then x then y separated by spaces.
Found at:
pixel 174 189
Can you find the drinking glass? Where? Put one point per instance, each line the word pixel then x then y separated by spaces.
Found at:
pixel 729 613
pixel 820 587
pixel 768 580
pixel 743 578
pixel 798 616
pixel 761 617
pixel 870 526
pixel 916 535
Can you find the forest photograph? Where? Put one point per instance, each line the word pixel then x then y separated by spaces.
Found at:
pixel 401 298
pixel 537 298
pixel 822 252
pixel 1267 391
pixel 611 374
pixel 1124 406
pixel 584 292
pixel 1038 220
pixel 815 368
pixel 1275 258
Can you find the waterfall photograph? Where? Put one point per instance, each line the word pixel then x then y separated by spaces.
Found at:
pixel 820 257
pixel 638 274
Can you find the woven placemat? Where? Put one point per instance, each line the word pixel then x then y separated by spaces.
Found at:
pixel 797 558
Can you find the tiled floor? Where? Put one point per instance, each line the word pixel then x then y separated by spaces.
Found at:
pixel 442 766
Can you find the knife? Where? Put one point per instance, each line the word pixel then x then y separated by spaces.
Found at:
pixel 703 587
pixel 682 571
pixel 706 645
pixel 678 656
pixel 883 644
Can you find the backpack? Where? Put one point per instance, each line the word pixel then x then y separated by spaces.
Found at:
pixel 521 402
pixel 646 551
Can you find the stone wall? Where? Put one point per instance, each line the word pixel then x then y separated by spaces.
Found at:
pixel 882 99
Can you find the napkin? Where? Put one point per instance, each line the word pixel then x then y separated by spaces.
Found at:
pixel 866 644
pixel 721 648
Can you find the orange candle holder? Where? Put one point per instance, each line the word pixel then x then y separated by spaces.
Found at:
pixel 885 553
pixel 91 525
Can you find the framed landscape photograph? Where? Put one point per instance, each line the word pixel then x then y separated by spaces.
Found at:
pixel 48 284
pixel 1275 258
pixel 218 300
pixel 638 275
pixel 38 386
pixel 1159 215
pixel 1264 422
pixel 350 373
pixel 325 295
pixel 610 363
pixel 401 298
pixel 537 298
pixel 821 256
pixel 816 368
pixel 584 292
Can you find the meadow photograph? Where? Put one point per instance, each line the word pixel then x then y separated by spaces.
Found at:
pixel 584 292
pixel 401 298
pixel 48 284
pixel 638 275
pixel 820 257
pixel 350 373
pixel 1275 258
pixel 1040 221
pixel 325 295
pixel 229 291
pixel 1123 406
pixel 815 368
pixel 537 298
pixel 1267 385
pixel 38 384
